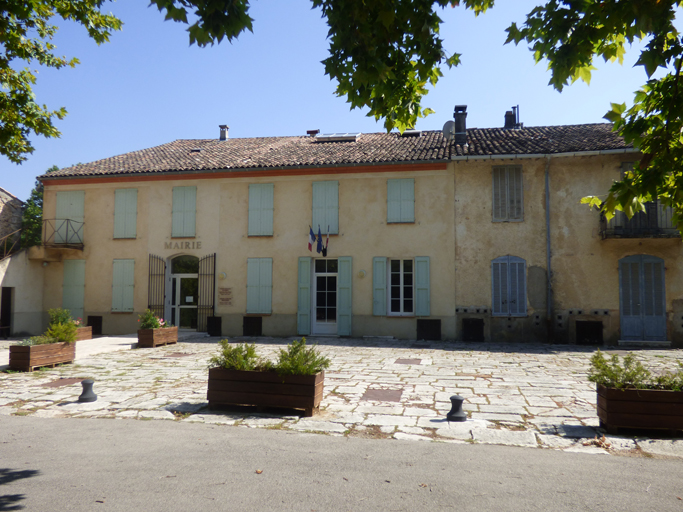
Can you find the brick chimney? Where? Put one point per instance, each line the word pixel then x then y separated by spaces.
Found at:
pixel 460 116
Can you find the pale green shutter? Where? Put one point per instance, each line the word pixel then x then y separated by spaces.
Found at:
pixel 422 302
pixel 326 207
pixel 69 216
pixel 379 286
pixel 261 209
pixel 393 200
pixel 125 212
pixel 303 314
pixel 344 295
pixel 259 285
pixel 401 200
pixel 184 211
pixel 500 203
pixel 73 287
pixel 123 285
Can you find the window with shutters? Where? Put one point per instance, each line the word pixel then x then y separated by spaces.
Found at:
pixel 259 285
pixel 508 281
pixel 261 209
pixel 401 291
pixel 125 212
pixel 123 286
pixel 326 207
pixel 400 200
pixel 508 199
pixel 400 287
pixel 184 211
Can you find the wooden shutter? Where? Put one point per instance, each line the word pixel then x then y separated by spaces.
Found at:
pixel 125 213
pixel 261 209
pixel 422 301
pixel 508 196
pixel 73 287
pixel 515 193
pixel 303 314
pixel 401 200
pixel 344 295
pixel 326 207
pixel 184 211
pixel 259 285
pixel 123 285
pixel 500 203
pixel 379 286
pixel 517 286
pixel 499 284
pixel 69 217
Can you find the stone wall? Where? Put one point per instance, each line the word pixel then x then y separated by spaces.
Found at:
pixel 10 213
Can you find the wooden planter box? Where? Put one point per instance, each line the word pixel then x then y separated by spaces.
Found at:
pixel 265 389
pixel 639 408
pixel 150 338
pixel 25 359
pixel 83 333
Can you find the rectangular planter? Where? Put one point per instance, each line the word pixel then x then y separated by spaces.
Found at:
pixel 640 408
pixel 25 359
pixel 150 338
pixel 83 333
pixel 265 389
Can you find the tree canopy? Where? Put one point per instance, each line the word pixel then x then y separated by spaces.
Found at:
pixel 383 54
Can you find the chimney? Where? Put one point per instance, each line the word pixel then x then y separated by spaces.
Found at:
pixel 224 131
pixel 312 133
pixel 509 120
pixel 460 116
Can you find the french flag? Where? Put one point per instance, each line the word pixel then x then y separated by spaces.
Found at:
pixel 311 239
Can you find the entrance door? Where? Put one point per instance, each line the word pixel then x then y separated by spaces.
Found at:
pixel 184 291
pixel 642 298
pixel 324 302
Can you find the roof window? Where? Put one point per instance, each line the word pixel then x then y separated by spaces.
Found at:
pixel 337 137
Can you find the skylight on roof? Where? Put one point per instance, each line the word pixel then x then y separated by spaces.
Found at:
pixel 337 137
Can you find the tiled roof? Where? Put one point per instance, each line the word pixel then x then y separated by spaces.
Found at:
pixel 370 149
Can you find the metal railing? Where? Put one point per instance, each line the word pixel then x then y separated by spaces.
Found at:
pixel 654 222
pixel 63 233
pixel 10 244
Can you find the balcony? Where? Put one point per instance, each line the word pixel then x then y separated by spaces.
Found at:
pixel 63 233
pixel 654 222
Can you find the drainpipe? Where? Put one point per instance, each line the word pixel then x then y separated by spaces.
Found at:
pixel 549 290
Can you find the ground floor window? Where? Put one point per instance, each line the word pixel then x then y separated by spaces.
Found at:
pixel 401 287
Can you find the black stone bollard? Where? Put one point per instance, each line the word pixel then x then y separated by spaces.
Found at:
pixel 456 413
pixel 88 395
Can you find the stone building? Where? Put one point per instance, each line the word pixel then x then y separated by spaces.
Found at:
pixel 476 235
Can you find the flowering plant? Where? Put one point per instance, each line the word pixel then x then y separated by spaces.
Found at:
pixel 78 322
pixel 149 320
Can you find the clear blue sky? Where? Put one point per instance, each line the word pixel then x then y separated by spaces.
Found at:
pixel 147 86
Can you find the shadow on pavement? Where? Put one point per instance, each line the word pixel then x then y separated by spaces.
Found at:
pixel 11 501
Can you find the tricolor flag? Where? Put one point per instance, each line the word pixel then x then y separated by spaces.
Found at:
pixel 319 249
pixel 327 241
pixel 311 239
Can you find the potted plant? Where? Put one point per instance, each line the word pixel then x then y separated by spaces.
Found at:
pixel 83 332
pixel 56 346
pixel 630 396
pixel 155 331
pixel 237 376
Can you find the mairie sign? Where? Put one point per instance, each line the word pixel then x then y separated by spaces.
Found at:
pixel 182 245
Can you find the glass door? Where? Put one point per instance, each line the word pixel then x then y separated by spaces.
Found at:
pixel 324 297
pixel 184 291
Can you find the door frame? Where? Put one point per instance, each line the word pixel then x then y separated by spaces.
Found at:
pixel 315 330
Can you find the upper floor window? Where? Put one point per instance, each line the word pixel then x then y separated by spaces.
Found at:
pixel 184 211
pixel 326 207
pixel 261 209
pixel 508 200
pixel 125 212
pixel 68 224
pixel 401 200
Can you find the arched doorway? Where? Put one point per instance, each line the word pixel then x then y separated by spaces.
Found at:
pixel 184 291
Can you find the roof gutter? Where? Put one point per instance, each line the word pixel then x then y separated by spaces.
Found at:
pixel 601 152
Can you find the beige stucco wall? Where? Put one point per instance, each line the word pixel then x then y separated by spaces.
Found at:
pixel 26 278
pixel 221 228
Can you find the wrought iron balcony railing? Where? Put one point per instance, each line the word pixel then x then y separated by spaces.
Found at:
pixel 654 222
pixel 10 244
pixel 63 233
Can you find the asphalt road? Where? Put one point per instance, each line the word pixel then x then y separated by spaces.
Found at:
pixel 108 465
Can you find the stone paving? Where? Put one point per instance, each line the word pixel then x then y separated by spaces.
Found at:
pixel 515 394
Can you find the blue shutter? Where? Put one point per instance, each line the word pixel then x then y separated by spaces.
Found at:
pixel 379 286
pixel 326 207
pixel 69 217
pixel 261 209
pixel 125 212
pixel 508 286
pixel 253 275
pixel 123 285
pixel 401 200
pixel 303 314
pixel 393 201
pixel 73 287
pixel 517 279
pixel 344 295
pixel 499 282
pixel 422 301
pixel 184 211
pixel 259 285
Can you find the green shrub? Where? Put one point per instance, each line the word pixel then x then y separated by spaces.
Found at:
pixel 37 340
pixel 612 373
pixel 59 316
pixel 298 359
pixel 149 320
pixel 62 332
pixel 239 357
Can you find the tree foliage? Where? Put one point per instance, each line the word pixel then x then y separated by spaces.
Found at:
pixel 32 216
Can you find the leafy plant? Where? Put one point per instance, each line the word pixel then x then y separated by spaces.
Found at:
pixel 612 373
pixel 59 316
pixel 298 359
pixel 62 332
pixel 239 357
pixel 37 340
pixel 149 320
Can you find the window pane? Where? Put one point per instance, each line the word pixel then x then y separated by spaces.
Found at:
pixel 320 266
pixel 332 266
pixel 395 306
pixel 320 299
pixel 395 279
pixel 332 299
pixel 408 292
pixel 320 313
pixel 408 279
pixel 408 306
pixel 185 265
pixel 331 283
pixel 331 314
pixel 407 265
pixel 395 292
pixel 321 283
pixel 395 266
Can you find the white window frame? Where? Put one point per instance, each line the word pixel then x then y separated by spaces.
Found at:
pixel 402 287
pixel 504 189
